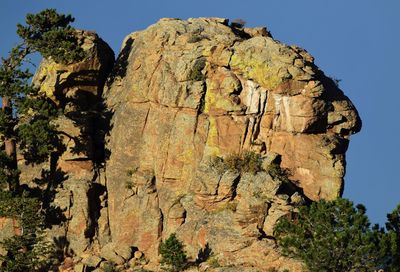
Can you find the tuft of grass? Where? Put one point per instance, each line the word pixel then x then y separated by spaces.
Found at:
pixel 231 206
pixel 213 261
pixel 129 185
pixel 131 172
pixel 248 162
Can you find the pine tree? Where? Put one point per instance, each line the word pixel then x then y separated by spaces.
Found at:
pixel 335 236
pixel 173 254
pixel 26 120
pixel 393 228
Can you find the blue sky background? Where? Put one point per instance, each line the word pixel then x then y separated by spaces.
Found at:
pixel 356 41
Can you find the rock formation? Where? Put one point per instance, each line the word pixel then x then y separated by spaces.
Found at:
pixel 182 98
pixel 190 90
pixel 72 195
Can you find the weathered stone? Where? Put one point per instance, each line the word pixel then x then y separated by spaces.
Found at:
pixel 180 94
pixel 9 227
pixel 108 252
pixel 67 264
pixel 124 251
pixel 138 254
pixel 80 267
pixel 198 90
pixel 78 84
pixel 91 261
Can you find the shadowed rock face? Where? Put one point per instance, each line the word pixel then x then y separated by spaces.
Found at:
pixel 70 191
pixel 183 92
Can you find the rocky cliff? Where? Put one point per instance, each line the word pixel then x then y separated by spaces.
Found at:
pixel 150 141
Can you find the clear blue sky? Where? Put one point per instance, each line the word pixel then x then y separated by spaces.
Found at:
pixel 356 41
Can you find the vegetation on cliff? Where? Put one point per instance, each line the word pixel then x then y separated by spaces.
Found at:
pixel 336 236
pixel 25 120
pixel 173 254
pixel 224 108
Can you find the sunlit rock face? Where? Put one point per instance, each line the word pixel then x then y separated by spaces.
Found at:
pixel 140 143
pixel 182 92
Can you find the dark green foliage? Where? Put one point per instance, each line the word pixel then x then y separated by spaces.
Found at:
pixel 27 250
pixel 393 232
pixel 37 136
pixel 50 34
pixel 26 118
pixel 13 80
pixel 334 236
pixel 248 162
pixel 7 123
pixel 196 72
pixel 173 254
pixel 38 139
pixel 8 174
pixel 30 125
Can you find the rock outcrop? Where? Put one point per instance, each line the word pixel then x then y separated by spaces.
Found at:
pixel 148 155
pixel 183 92
pixel 70 194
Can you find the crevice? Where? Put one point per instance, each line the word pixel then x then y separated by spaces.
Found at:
pixel 161 224
pixel 202 102
pixel 218 182
pixel 145 120
pixel 94 194
pixel 245 134
pixel 235 184
pixel 106 206
pixel 263 235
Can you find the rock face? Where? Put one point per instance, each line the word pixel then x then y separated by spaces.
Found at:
pixel 184 92
pixel 184 97
pixel 71 193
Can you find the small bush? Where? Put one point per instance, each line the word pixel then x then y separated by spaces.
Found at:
pixel 231 206
pixel 196 72
pixel 132 171
pixel 172 254
pixel 238 22
pixel 196 38
pixel 213 261
pixel 129 185
pixel 251 162
pixel 282 174
pixel 248 162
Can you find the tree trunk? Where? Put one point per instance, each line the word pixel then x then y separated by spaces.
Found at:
pixel 10 146
pixel 9 142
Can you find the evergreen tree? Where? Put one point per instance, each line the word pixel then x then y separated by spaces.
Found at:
pixel 172 253
pixel 26 251
pixel 25 119
pixel 393 228
pixel 335 236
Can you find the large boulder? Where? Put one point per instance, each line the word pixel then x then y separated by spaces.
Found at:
pixel 185 92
